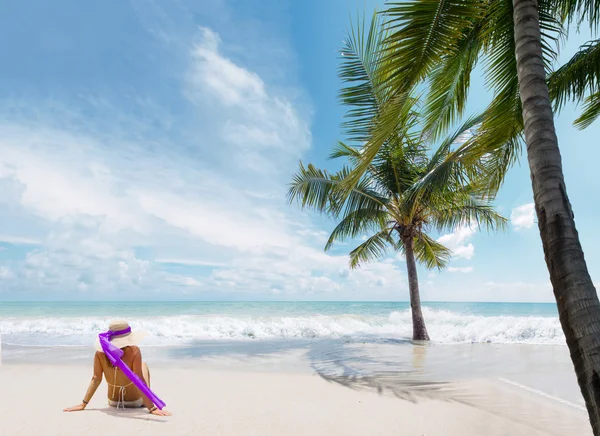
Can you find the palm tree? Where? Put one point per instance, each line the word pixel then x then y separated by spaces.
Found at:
pixel 401 197
pixel 440 41
pixel 405 192
pixel 576 297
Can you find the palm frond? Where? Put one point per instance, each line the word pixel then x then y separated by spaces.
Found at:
pixel 591 111
pixel 467 209
pixel 497 142
pixel 447 169
pixel 399 163
pixel 449 83
pixel 360 196
pixel 312 188
pixel 419 35
pixel 394 115
pixel 578 11
pixel 342 150
pixel 360 57
pixel 431 253
pixel 373 248
pixel 424 32
pixel 499 45
pixel 460 136
pixel 319 190
pixel 552 32
pixel 578 77
pixel 356 223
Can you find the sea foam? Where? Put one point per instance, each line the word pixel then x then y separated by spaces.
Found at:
pixel 444 327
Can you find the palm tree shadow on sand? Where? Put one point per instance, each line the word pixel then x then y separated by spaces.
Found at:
pixel 415 383
pixel 406 370
pixel 403 380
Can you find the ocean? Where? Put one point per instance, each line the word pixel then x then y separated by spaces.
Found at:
pixel 177 323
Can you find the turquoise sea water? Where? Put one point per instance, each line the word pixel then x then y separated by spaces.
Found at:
pixel 175 323
pixel 133 308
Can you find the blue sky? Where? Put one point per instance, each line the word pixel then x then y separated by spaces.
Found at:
pixel 145 151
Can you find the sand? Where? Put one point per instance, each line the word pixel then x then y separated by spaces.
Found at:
pixel 217 402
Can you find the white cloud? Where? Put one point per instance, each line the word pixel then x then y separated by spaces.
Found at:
pixel 261 127
pixel 209 213
pixel 217 223
pixel 18 240
pixel 189 262
pixel 457 242
pixel 184 281
pixel 5 273
pixel 523 217
pixel 466 269
pixel 319 236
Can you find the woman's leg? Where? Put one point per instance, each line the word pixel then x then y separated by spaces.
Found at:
pixel 146 373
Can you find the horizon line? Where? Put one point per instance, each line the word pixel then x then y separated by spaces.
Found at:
pixel 273 301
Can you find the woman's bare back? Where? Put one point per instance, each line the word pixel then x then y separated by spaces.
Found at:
pixel 115 377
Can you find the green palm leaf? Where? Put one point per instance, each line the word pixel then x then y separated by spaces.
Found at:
pixel 591 111
pixel 312 187
pixel 431 253
pixel 374 247
pixel 465 209
pixel 420 35
pixel 449 83
pixel 578 77
pixel 357 223
pixel 360 56
pixel 425 32
pixel 578 11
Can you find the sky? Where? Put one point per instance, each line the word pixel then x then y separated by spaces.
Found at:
pixel 146 149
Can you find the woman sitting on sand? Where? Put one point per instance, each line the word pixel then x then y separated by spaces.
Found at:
pixel 122 391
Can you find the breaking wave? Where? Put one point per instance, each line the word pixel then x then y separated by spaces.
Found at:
pixel 444 327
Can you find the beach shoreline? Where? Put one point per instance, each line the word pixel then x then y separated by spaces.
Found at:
pixel 232 401
pixel 229 369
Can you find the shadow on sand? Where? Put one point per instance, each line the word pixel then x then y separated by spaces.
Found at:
pixel 408 371
pixel 129 413
pixel 401 370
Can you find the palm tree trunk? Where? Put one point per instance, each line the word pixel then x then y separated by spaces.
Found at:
pixel 419 329
pixel 576 298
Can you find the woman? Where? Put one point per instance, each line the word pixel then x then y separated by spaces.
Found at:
pixel 122 391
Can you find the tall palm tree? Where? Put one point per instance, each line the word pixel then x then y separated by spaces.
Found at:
pixel 441 41
pixel 576 297
pixel 401 197
pixel 405 191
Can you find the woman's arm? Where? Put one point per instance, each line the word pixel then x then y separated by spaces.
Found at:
pixel 137 369
pixel 92 387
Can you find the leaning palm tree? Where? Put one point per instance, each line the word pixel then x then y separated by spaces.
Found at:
pixel 440 42
pixel 403 195
pixel 406 191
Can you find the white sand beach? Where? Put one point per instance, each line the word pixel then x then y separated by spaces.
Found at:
pixel 208 401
